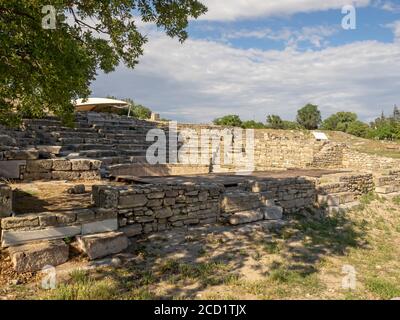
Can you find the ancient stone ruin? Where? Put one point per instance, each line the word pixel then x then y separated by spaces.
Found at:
pixel 293 173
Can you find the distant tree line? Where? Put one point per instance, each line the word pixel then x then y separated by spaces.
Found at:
pixel 309 118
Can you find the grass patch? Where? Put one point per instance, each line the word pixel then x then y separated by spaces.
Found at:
pixel 382 288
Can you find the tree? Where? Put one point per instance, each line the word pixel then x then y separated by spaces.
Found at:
pixel 251 124
pixel 229 120
pixel 309 117
pixel 396 114
pixel 44 69
pixel 275 122
pixel 339 121
pixel 358 129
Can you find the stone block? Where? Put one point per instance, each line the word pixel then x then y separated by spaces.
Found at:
pixel 90 175
pixel 246 217
pixel 30 154
pixel 100 226
pixel 33 176
pixel 132 201
pixel 36 166
pixel 62 165
pixel 34 256
pixel 156 195
pixel 163 213
pixel 65 175
pixel 104 244
pixel 11 238
pixel 84 215
pixel 132 230
pixel 80 164
pixel 272 212
pixel 78 189
pixel 11 169
pixel 20 222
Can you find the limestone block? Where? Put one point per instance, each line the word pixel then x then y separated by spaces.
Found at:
pixel 32 176
pixel 80 164
pixel 65 175
pixel 103 244
pixel 29 154
pixel 156 195
pixel 272 212
pixel 20 222
pixel 34 256
pixel 35 166
pixel 132 230
pixel 11 169
pixel 62 165
pixel 84 215
pixel 246 217
pixel 100 226
pixel 90 175
pixel 163 213
pixel 132 201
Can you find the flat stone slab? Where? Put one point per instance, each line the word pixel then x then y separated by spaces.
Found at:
pixel 12 238
pixel 11 169
pixel 103 244
pixel 34 256
pixel 272 212
pixel 246 217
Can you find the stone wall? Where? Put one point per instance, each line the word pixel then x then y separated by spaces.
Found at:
pixel 50 169
pixel 355 183
pixel 56 225
pixel 292 194
pixel 362 161
pixel 151 208
pixel 6 201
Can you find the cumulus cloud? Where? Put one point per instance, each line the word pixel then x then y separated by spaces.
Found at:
pixel 243 9
pixel 201 79
pixel 314 35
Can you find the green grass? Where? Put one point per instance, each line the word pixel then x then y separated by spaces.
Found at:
pixel 384 289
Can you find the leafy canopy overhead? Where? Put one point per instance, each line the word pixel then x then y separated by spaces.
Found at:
pixel 44 69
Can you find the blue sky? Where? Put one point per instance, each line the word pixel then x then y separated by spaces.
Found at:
pixel 258 57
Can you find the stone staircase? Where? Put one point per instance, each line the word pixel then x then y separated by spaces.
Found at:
pixel 109 138
pixel 339 202
pixel 389 184
pixel 34 241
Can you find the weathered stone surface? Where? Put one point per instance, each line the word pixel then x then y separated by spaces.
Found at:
pixel 163 213
pixel 80 164
pixel 11 169
pixel 132 230
pixel 78 189
pixel 36 166
pixel 132 201
pixel 246 217
pixel 34 256
pixel 65 175
pixel 272 212
pixel 104 244
pixel 100 226
pixel 20 222
pixel 6 201
pixel 84 215
pixel 62 165
pixel 11 238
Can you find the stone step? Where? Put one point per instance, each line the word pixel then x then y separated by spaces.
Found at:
pixel 237 201
pixel 388 189
pixel 101 245
pixel 386 180
pixel 336 199
pixel 35 256
pixel 99 153
pixel 81 147
pixel 343 208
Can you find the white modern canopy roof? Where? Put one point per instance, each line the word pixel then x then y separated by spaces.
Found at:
pixel 99 101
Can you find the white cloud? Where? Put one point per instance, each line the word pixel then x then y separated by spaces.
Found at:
pixel 243 9
pixel 395 26
pixel 389 6
pixel 314 35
